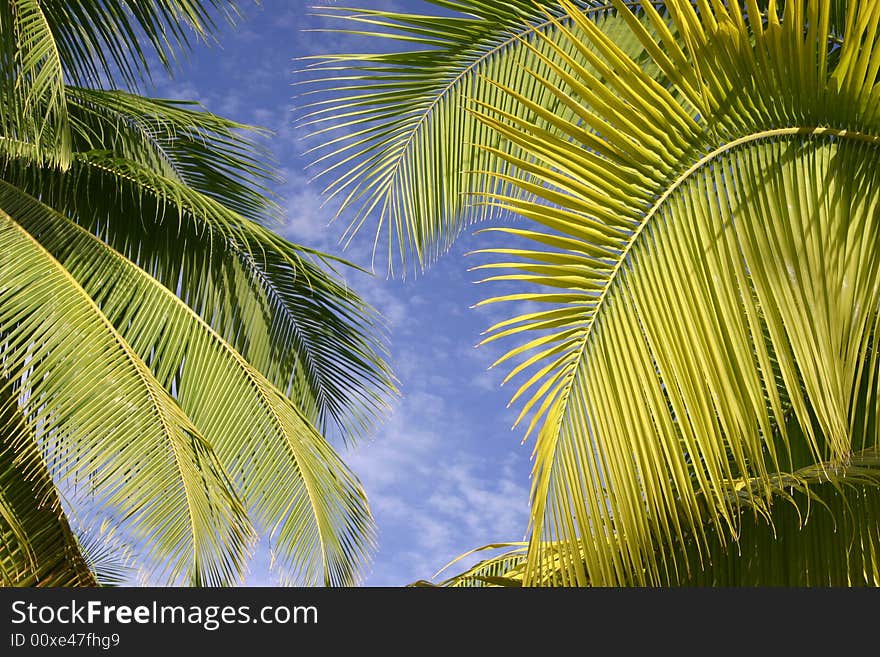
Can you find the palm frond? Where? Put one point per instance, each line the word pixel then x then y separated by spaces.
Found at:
pixel 33 113
pixel 106 552
pixel 707 251
pixel 279 304
pixel 503 569
pixel 47 43
pixel 116 211
pixel 295 485
pixel 106 426
pixel 37 546
pixel 212 155
pixel 114 40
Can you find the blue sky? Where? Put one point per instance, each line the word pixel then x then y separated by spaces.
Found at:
pixel 444 473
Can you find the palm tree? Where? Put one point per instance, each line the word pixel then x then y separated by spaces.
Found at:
pixel 698 202
pixel 169 367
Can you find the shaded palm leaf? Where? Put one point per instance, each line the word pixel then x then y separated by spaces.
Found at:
pixel 33 112
pixel 179 140
pixel 396 138
pixel 37 546
pixel 115 39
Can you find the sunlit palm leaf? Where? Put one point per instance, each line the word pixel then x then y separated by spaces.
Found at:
pixel 105 424
pixel 37 546
pixel 713 262
pixel 813 530
pixel 504 569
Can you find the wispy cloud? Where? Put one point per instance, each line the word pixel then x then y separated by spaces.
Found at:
pixel 433 497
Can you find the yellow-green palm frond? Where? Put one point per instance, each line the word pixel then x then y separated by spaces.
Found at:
pixel 817 526
pixel 707 253
pixel 37 546
pixel 505 568
pixel 105 424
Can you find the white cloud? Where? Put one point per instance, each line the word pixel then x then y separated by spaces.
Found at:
pixel 433 493
pixel 307 220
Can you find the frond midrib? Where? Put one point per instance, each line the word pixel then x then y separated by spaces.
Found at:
pixel 675 184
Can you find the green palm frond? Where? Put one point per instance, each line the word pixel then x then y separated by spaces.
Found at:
pixel 397 141
pixel 290 479
pixel 171 361
pixel 708 255
pixel 189 176
pixel 33 113
pixel 212 155
pixel 104 423
pixel 116 39
pixel 47 43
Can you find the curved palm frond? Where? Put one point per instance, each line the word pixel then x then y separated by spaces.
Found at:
pixel 290 479
pixel 815 527
pixel 179 140
pixel 110 557
pixel 33 114
pixel 47 43
pixel 104 423
pixel 114 40
pixel 395 134
pixel 708 254
pixel 503 569
pixel 189 176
